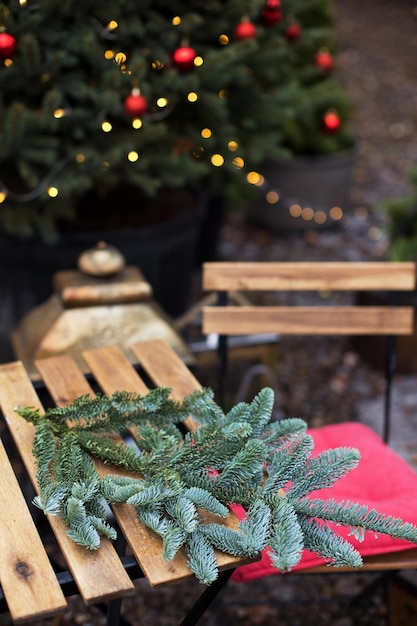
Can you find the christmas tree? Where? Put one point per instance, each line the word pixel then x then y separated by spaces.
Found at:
pixel 96 96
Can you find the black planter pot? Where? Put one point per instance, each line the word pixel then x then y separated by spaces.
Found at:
pixel 164 252
pixel 317 183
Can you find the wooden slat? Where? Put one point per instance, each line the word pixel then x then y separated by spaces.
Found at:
pixel 301 320
pixel 166 369
pixel 308 276
pixel 26 575
pixel 16 389
pixel 113 370
pixel 393 561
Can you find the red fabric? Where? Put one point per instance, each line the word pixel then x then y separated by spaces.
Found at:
pixel 383 480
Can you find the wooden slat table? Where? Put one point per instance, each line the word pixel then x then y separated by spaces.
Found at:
pixel 31 587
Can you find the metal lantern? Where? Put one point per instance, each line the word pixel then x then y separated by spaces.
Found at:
pixel 104 302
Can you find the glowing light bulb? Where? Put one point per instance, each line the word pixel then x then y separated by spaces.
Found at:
pixel 307 214
pixel 176 21
pixel 217 160
pixel 162 102
pixel 106 127
pixel 58 113
pixel 192 96
pixel 206 133
pixel 295 210
pixel 157 65
pixel 254 178
pixel 320 217
pixel 120 58
pixel 137 123
pixel 272 197
pixel 112 25
pixel 336 213
pixel 3 196
pixel 52 192
pixel 109 54
pixel 132 156
pixel 198 61
pixel 223 40
pixel 233 146
pixel 239 162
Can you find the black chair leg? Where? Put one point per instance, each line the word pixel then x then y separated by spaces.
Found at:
pixel 206 598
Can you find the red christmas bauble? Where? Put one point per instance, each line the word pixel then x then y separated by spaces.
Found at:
pixel 135 105
pixel 7 46
pixel 331 121
pixel 271 13
pixel 245 30
pixel 293 31
pixel 183 58
pixel 324 60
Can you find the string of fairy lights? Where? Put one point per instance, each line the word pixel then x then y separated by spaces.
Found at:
pixel 136 106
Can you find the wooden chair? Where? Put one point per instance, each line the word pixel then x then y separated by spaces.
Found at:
pixel 389 321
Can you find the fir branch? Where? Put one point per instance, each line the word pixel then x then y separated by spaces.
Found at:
pixel 287 461
pixel 260 410
pixel 203 499
pixel 246 464
pixel 357 516
pixel 111 451
pixel 286 537
pixel 152 517
pixel 44 451
pixel 201 558
pixel 51 499
pixel 85 535
pixel 321 540
pixel 173 538
pixel 324 470
pixel 276 433
pixel 255 527
pixel 102 527
pixel 116 488
pixel 250 537
pixel 152 494
pixel 71 462
pixel 85 490
pixel 237 458
pixel 201 406
pixel 184 513
pixel 30 414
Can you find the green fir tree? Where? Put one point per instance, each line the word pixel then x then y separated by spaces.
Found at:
pixel 94 99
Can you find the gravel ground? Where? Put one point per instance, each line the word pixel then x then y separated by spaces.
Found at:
pixel 378 46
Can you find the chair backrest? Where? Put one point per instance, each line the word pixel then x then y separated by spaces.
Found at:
pixel 228 277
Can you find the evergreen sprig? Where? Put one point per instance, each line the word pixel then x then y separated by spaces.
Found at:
pixel 238 458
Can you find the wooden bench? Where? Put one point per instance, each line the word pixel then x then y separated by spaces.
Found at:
pixel 30 586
